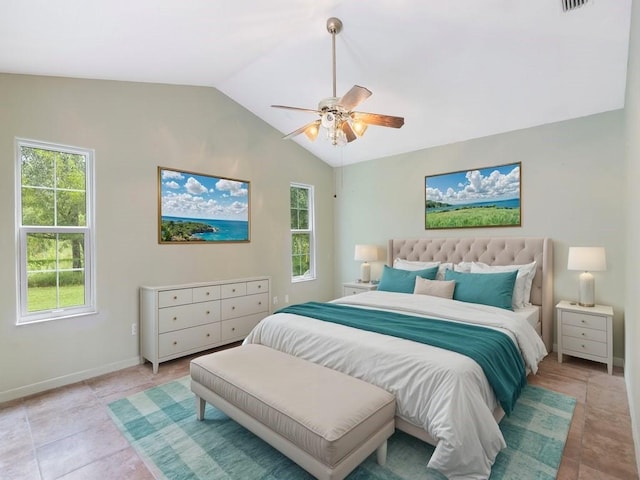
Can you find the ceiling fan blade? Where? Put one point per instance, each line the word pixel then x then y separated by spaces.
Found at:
pixel 348 131
pixel 310 133
pixel 381 120
pixel 354 97
pixel 297 108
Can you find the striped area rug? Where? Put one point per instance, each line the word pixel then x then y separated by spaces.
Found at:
pixel 161 425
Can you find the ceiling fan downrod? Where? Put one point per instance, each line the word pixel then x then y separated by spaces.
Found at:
pixel 334 26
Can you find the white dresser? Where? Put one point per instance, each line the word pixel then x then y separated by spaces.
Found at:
pixel 179 320
pixel 586 332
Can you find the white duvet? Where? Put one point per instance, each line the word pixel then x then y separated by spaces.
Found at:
pixel 443 392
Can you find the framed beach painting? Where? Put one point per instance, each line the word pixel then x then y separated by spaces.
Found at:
pixel 199 208
pixel 483 197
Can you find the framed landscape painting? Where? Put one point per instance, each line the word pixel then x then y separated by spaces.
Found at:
pixel 199 208
pixel 484 197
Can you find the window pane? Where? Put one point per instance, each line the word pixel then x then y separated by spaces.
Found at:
pixel 70 171
pixel 71 208
pixel 303 219
pixel 55 271
pixel 38 206
pixel 38 167
pixel 294 219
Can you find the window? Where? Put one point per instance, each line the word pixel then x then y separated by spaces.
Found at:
pixel 55 231
pixel 302 236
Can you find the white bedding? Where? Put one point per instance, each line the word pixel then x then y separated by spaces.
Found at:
pixel 443 392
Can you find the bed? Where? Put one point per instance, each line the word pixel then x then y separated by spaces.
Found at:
pixel 443 397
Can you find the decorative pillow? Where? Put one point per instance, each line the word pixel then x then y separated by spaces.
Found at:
pixel 435 288
pixel 524 279
pixel 462 267
pixel 403 281
pixel 403 264
pixel 495 289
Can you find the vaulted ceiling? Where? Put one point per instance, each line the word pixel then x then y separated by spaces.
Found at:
pixel 455 70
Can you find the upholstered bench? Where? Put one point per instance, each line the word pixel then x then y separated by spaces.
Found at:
pixel 325 421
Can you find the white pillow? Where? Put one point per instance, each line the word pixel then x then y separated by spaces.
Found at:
pixel 464 267
pixel 524 279
pixel 435 288
pixel 403 264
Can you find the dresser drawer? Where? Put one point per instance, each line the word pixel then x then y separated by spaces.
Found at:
pixel 230 290
pixel 172 343
pixel 185 316
pixel 585 333
pixel 205 294
pixel 238 328
pixel 169 298
pixel 573 344
pixel 239 307
pixel 584 320
pixel 259 286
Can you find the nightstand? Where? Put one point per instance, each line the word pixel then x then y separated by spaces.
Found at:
pixel 352 288
pixel 586 332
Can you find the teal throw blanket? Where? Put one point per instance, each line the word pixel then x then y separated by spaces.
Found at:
pixel 494 351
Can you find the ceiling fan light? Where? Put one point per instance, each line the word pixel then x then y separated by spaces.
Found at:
pixel 359 127
pixel 312 132
pixel 328 120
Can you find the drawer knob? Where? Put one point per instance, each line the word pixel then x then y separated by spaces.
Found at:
pixel 583 346
pixel 259 303
pixel 233 290
pixel 208 293
pixel 259 286
pixel 175 318
pixel 208 334
pixel 175 297
pixel 208 312
pixel 582 334
pixel 233 329
pixel 233 308
pixel 583 321
pixel 175 343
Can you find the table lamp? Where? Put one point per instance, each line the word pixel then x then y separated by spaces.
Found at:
pixel 587 259
pixel 365 254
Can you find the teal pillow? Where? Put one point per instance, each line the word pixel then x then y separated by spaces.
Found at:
pixel 404 281
pixel 495 289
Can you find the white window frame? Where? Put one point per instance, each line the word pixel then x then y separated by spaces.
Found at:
pixel 311 275
pixel 23 316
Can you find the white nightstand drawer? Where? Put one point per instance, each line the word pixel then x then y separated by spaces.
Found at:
pixel 573 344
pixel 259 286
pixel 238 328
pixel 585 333
pixel 584 320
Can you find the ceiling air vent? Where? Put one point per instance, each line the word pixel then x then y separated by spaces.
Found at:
pixel 568 5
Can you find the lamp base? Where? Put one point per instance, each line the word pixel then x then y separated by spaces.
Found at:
pixel 586 298
pixel 365 272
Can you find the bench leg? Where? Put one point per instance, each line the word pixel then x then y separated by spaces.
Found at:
pixel 381 453
pixel 200 404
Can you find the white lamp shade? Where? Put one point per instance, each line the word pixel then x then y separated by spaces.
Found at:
pixel 366 253
pixel 587 259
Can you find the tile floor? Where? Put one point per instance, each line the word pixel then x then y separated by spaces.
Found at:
pixel 67 433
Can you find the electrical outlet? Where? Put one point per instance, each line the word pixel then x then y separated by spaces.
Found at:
pixel 275 300
pixel 134 329
pixel 286 299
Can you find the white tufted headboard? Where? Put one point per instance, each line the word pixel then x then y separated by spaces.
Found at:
pixel 492 251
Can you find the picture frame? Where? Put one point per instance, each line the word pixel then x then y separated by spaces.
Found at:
pixel 201 208
pixel 481 197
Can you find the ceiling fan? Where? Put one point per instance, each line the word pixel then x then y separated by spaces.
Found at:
pixel 337 116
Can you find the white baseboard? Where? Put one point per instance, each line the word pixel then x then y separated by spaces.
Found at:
pixel 617 361
pixel 75 377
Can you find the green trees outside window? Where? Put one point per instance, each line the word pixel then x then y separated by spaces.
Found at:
pixel 301 201
pixel 54 230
